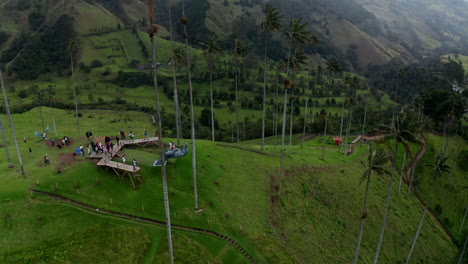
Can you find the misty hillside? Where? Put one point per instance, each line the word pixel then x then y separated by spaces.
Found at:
pixel 359 33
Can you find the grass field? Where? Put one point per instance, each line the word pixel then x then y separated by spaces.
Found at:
pixel 315 220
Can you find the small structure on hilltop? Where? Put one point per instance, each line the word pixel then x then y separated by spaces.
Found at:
pixel 337 140
pixel 121 169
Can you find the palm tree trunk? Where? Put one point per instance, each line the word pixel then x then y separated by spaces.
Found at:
pixel 348 131
pixel 264 95
pixel 324 137
pixel 53 116
pixel 460 258
pixel 276 111
pixel 387 206
pixel 341 126
pixel 283 130
pixel 463 221
pixel 364 120
pixel 417 235
pixel 174 78
pixel 363 218
pixel 192 114
pixel 42 117
pixel 237 101
pixel 211 98
pixel 74 94
pixel 291 120
pixel 305 124
pixel 161 150
pixel 313 107
pixel 411 180
pixel 2 129
pixel 7 108
pixel 401 172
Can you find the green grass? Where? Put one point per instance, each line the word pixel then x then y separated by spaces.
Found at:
pixel 316 218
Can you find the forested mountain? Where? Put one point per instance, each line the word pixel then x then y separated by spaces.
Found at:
pixel 360 33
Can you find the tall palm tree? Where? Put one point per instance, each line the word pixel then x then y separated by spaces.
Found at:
pixel 5 143
pixel 184 21
pixel 211 48
pixel 296 61
pixel 376 162
pixel 296 34
pixel 438 169
pixel 403 131
pixel 50 93
pixel 175 58
pixel 239 51
pixel 13 133
pixel 332 66
pixel 72 47
pixel 270 22
pixel 351 83
pixel 153 29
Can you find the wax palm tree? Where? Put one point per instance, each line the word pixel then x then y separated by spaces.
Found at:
pixel 296 34
pixel 184 21
pixel 152 30
pixel 351 83
pixel 5 143
pixel 403 131
pixel 239 51
pixel 72 48
pixel 50 93
pixel 400 73
pixel 333 66
pixel 211 48
pixel 176 57
pixel 270 23
pixel 296 61
pixel 377 161
pixel 438 169
pixel 13 133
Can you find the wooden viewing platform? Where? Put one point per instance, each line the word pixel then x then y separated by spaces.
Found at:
pixel 121 169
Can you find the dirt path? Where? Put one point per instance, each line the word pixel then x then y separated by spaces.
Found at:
pixel 81 205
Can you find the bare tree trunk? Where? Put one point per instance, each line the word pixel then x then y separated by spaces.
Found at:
pixel 416 236
pixel 348 131
pixel 305 123
pixel 460 258
pixel 211 98
pixel 264 96
pixel 174 78
pixel 74 94
pixel 163 162
pixel 411 180
pixel 192 114
pixel 363 218
pixel 237 100
pixel 291 121
pixel 402 171
pixel 325 133
pixel 341 126
pixel 387 206
pixel 364 120
pixel 7 108
pixel 53 117
pixel 463 221
pixel 276 111
pixel 5 143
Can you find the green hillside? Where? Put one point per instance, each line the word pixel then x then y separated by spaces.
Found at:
pixel 236 200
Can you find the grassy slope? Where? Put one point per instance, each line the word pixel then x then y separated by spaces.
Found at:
pixel 234 192
pixel 451 213
pixel 461 58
